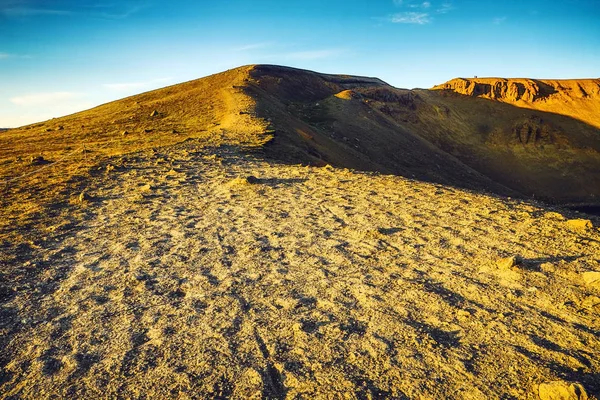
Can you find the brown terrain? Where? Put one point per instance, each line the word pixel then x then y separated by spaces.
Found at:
pixel 269 232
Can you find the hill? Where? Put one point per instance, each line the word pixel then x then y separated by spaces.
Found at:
pixel 207 240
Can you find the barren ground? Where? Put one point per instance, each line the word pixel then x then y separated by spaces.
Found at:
pixel 181 279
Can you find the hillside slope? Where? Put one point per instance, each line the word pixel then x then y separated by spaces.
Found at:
pixel 576 98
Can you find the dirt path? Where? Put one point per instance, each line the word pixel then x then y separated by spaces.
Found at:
pixel 182 279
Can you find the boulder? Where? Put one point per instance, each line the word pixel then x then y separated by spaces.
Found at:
pixel 591 278
pixel 507 262
pixel 561 390
pixel 580 224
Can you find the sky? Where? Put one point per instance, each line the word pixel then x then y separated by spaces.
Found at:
pixel 62 56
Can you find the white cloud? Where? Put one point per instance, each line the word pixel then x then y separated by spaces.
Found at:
pixel 445 8
pixel 419 18
pixel 44 98
pixel 136 85
pixel 253 46
pixel 426 4
pixel 498 20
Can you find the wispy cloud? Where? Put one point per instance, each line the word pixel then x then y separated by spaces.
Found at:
pixel 445 8
pixel 28 9
pixel 253 46
pixel 136 85
pixel 22 11
pixel 4 56
pixel 410 17
pixel 498 20
pixel 313 54
pixel 417 12
pixel 44 98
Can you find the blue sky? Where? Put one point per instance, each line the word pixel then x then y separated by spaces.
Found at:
pixel 62 56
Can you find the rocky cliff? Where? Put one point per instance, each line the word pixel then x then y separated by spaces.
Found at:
pixel 527 90
pixel 576 98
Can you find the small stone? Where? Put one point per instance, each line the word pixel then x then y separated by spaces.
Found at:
pixel 507 263
pixel 591 278
pixel 579 224
pixel 38 160
pixel 591 302
pixel 548 267
pixel 154 113
pixel 554 215
pixel 84 197
pixel 560 390
pixel 124 133
pixel 252 179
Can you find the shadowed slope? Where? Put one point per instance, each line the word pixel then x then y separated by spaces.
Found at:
pixel 434 136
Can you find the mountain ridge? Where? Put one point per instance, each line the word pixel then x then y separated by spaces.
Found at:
pixel 344 120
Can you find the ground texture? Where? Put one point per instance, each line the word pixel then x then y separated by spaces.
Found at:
pixel 188 272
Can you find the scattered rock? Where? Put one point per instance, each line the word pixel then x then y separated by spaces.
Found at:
pixel 591 278
pixel 154 113
pixel 124 133
pixel 548 267
pixel 38 160
pixel 508 262
pixel 554 216
pixel 147 130
pixel 579 224
pixel 249 180
pixel 560 390
pixel 84 197
pixel 60 128
pixel 591 302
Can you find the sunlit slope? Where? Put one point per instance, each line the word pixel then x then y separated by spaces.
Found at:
pixel 41 163
pixel 576 98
